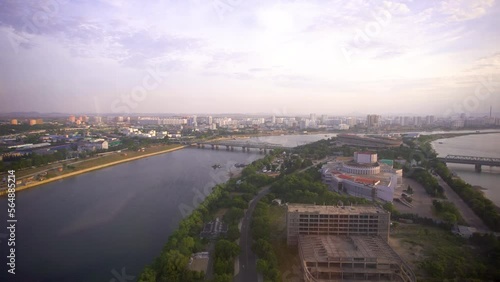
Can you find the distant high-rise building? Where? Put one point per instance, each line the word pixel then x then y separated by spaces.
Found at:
pixel 97 119
pixel 210 120
pixel 39 121
pixel 304 123
pixel 350 121
pixel 13 122
pixel 418 121
pixel 312 117
pixel 430 120
pixel 32 121
pixel 323 118
pixel 72 118
pixel 192 121
pixel 372 120
pixel 273 120
pixel 406 121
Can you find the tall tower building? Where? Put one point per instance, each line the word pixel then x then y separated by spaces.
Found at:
pixel 373 120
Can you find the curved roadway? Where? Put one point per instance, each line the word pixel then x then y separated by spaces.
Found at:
pixel 247 260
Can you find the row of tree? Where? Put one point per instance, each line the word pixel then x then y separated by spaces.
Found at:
pixel 429 182
pixel 448 212
pixel 32 159
pixel 482 206
pixel 267 263
pixel 225 253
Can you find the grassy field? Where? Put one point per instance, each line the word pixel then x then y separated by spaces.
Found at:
pixel 288 258
pixel 418 245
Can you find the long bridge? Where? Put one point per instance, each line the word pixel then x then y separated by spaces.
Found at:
pixel 477 161
pixel 229 145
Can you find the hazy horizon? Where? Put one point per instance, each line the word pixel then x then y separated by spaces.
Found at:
pixel 224 56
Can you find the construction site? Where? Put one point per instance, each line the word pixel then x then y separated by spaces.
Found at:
pixel 344 243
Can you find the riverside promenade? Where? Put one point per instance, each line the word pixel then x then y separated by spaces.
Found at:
pixel 75 173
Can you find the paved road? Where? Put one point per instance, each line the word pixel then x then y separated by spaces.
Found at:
pixel 210 269
pixel 422 202
pixel 247 259
pixel 469 216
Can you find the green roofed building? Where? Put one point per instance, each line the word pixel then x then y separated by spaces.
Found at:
pixel 387 162
pixel 115 143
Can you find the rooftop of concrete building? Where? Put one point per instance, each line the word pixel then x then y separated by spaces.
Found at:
pixel 367 152
pixel 325 248
pixel 308 208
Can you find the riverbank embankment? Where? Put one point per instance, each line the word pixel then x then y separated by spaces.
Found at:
pixel 97 167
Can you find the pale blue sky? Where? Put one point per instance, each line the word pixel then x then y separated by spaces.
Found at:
pixel 221 56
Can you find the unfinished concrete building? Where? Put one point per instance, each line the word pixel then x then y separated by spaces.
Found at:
pixel 351 258
pixel 336 220
pixel 344 243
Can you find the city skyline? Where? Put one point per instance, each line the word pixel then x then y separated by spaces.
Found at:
pixel 252 57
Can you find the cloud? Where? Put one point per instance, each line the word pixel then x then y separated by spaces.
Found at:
pixel 464 10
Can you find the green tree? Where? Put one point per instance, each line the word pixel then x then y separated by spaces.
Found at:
pixel 148 275
pixel 176 265
pixel 226 249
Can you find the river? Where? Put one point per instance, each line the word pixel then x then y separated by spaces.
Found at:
pixel 486 145
pixel 89 227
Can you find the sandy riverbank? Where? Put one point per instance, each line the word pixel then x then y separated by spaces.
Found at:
pixel 74 173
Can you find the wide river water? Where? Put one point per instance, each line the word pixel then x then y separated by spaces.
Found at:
pixel 487 145
pixel 99 225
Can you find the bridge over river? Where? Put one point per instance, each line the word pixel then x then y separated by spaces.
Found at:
pixel 229 145
pixel 477 161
